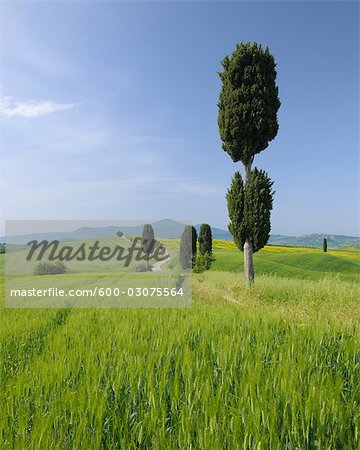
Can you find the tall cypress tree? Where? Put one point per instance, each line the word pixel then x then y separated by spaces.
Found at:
pixel 247 118
pixel 187 250
pixel 148 242
pixel 205 240
pixel 193 243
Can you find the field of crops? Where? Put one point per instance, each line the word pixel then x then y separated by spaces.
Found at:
pixel 277 367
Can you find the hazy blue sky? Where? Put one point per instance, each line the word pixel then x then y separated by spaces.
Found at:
pixel 109 110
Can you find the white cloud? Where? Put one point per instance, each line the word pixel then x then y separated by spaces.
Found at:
pixel 11 108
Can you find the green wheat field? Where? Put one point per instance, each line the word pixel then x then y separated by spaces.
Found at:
pixel 274 367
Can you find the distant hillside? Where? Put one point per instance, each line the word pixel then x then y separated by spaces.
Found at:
pixel 167 228
pixel 314 240
pixel 163 229
pixel 217 233
pixel 309 240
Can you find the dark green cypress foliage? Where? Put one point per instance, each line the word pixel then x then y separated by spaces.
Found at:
pixel 325 245
pixel 194 242
pixel 205 240
pixel 248 102
pixel 236 202
pixel 249 211
pixel 258 207
pixel 186 253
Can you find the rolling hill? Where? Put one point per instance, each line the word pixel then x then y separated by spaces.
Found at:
pixel 168 229
pixel 302 263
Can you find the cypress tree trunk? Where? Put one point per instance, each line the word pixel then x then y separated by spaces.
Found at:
pixel 248 248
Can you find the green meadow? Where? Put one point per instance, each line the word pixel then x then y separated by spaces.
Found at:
pixel 273 367
pixel 294 262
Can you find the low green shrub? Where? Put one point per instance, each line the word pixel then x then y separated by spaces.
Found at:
pixel 202 262
pixel 49 268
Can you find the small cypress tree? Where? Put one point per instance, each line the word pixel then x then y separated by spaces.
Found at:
pixel 205 240
pixel 258 206
pixel 325 245
pixel 186 253
pixel 249 209
pixel 148 242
